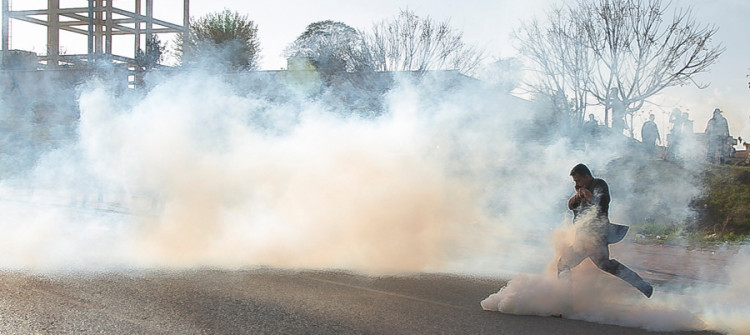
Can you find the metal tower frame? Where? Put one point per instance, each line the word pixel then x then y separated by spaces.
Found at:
pixel 100 21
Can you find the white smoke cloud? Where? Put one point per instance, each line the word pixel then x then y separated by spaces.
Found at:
pixel 593 295
pixel 204 170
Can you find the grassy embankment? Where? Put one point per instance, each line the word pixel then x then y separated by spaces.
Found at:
pixel 721 211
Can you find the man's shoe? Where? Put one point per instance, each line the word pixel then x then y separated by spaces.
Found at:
pixel 646 289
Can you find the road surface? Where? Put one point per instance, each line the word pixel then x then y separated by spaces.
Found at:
pixel 265 301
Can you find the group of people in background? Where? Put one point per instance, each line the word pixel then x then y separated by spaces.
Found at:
pixel 682 131
pixel 718 142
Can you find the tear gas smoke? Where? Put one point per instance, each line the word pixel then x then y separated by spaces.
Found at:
pixel 200 170
pixel 593 295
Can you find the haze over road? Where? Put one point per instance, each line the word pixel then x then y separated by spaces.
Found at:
pixel 265 301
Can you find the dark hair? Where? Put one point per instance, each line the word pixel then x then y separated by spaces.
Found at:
pixel 581 170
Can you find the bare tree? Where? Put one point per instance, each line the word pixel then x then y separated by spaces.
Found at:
pixel 562 62
pixel 637 51
pixel 642 53
pixel 411 43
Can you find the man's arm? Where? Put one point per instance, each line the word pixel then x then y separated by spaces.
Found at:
pixel 582 194
pixel 573 202
pixel 601 198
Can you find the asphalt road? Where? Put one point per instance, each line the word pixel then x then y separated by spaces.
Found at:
pixel 265 301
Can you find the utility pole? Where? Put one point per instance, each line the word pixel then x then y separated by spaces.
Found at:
pixel 53 33
pixel 6 19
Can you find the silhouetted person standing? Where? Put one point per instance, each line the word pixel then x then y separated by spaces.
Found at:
pixel 686 127
pixel 590 130
pixel 594 232
pixel 717 132
pixel 650 134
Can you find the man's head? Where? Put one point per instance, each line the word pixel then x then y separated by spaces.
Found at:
pixel 651 117
pixel 591 117
pixel 717 111
pixel 581 175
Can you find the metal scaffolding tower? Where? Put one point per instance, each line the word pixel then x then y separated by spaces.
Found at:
pixel 100 21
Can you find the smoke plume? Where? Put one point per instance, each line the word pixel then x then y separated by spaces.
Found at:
pixel 450 175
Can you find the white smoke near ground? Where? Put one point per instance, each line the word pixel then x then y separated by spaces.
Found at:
pixel 590 294
pixel 207 170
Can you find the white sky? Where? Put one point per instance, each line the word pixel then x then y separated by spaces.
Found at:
pixel 484 23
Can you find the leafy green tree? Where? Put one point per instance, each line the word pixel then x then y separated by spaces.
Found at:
pixel 330 47
pixel 152 56
pixel 225 37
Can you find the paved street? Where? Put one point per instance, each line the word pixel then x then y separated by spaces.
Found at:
pixel 264 301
